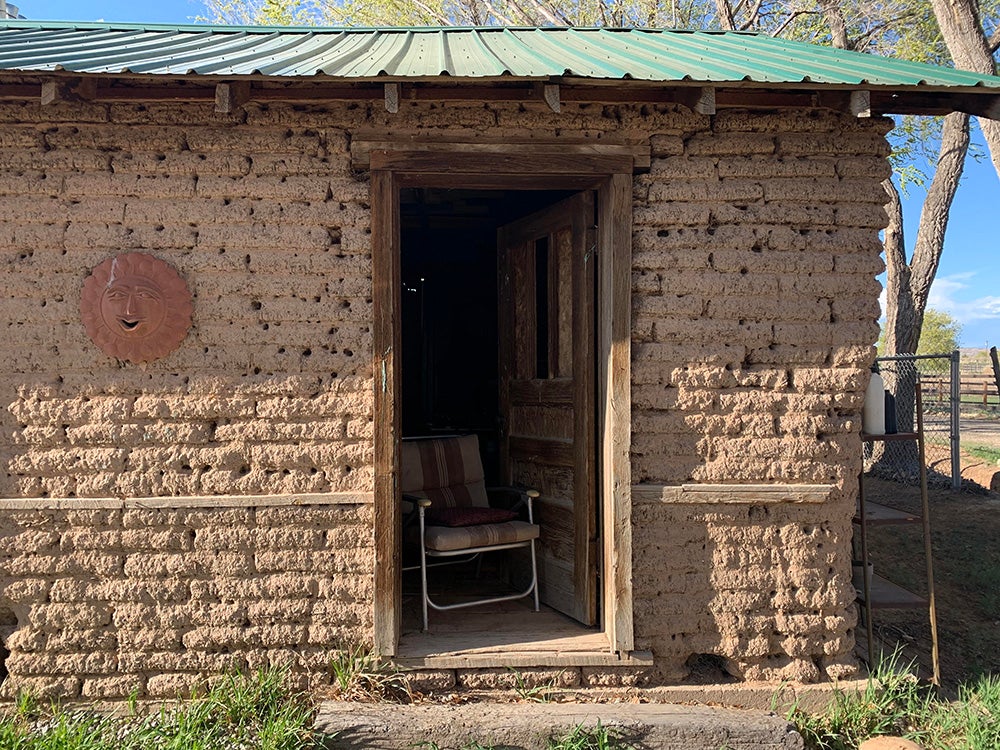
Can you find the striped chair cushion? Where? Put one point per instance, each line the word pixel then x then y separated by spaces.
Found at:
pixel 448 539
pixel 446 471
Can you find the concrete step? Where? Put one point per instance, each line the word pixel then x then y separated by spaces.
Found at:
pixel 529 725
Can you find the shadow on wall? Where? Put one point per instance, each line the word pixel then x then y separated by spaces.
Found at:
pixel 758 586
pixel 8 624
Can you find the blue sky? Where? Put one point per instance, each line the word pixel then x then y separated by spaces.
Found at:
pixel 966 285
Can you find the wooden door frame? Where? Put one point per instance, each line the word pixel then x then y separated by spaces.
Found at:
pixel 610 174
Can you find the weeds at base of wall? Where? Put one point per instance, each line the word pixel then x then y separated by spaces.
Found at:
pixel 525 691
pixel 359 674
pixel 895 703
pixel 238 711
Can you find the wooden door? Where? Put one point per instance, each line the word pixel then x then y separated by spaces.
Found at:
pixel 547 370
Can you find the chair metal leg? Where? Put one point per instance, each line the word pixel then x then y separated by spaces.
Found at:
pixel 423 571
pixel 534 573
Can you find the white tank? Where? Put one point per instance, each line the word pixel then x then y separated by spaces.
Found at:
pixel 873 416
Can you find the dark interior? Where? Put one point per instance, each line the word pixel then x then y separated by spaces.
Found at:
pixel 449 309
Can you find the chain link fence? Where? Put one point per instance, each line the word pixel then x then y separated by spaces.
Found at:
pixel 938 376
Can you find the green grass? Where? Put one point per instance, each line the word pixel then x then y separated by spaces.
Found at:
pixel 895 703
pixel 983 451
pixel 598 737
pixel 359 674
pixel 238 711
pixel 531 693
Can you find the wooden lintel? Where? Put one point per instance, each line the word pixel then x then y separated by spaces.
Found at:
pixel 392 97
pixel 860 104
pixel 550 93
pixel 362 148
pixel 530 164
pixel 731 494
pixel 231 96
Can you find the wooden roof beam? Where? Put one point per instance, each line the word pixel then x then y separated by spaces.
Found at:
pixel 700 100
pixel 231 96
pixel 154 94
pixel 550 93
pixel 392 97
pixel 13 92
pixel 68 90
pixel 937 103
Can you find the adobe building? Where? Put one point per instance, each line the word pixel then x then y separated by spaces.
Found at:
pixel 312 225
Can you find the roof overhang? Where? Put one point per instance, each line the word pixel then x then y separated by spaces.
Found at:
pixel 704 71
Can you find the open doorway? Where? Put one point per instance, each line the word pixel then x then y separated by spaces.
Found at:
pixel 497 333
pixel 513 174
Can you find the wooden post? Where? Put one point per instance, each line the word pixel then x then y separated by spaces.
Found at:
pixel 996 367
pixel 386 336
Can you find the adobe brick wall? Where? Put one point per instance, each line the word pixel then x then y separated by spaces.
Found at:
pixel 754 304
pixel 110 601
pixel 754 310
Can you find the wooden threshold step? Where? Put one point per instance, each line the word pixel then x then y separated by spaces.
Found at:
pixel 523 659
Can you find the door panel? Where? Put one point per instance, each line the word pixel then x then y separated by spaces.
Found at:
pixel 546 270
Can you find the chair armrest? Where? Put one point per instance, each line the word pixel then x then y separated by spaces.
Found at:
pixel 413 508
pixel 523 498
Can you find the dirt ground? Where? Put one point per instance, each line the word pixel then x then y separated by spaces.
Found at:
pixel 980 432
pixel 965 532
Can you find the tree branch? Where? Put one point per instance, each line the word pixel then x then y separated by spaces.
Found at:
pixel 994 41
pixel 791 17
pixel 752 15
pixel 725 12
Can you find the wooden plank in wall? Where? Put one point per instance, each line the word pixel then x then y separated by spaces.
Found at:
pixel 582 356
pixel 386 339
pixel 614 322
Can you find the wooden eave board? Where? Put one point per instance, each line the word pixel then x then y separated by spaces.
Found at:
pixel 749 94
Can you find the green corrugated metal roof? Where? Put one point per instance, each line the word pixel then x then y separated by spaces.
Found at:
pixel 468 53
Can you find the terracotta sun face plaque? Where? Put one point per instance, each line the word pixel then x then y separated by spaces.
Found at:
pixel 136 307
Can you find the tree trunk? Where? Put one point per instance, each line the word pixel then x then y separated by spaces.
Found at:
pixel 725 13
pixel 834 16
pixel 900 319
pixel 963 32
pixel 908 284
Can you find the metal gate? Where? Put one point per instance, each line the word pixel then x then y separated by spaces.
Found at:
pixel 938 375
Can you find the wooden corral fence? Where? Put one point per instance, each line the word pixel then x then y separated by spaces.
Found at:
pixel 976 390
